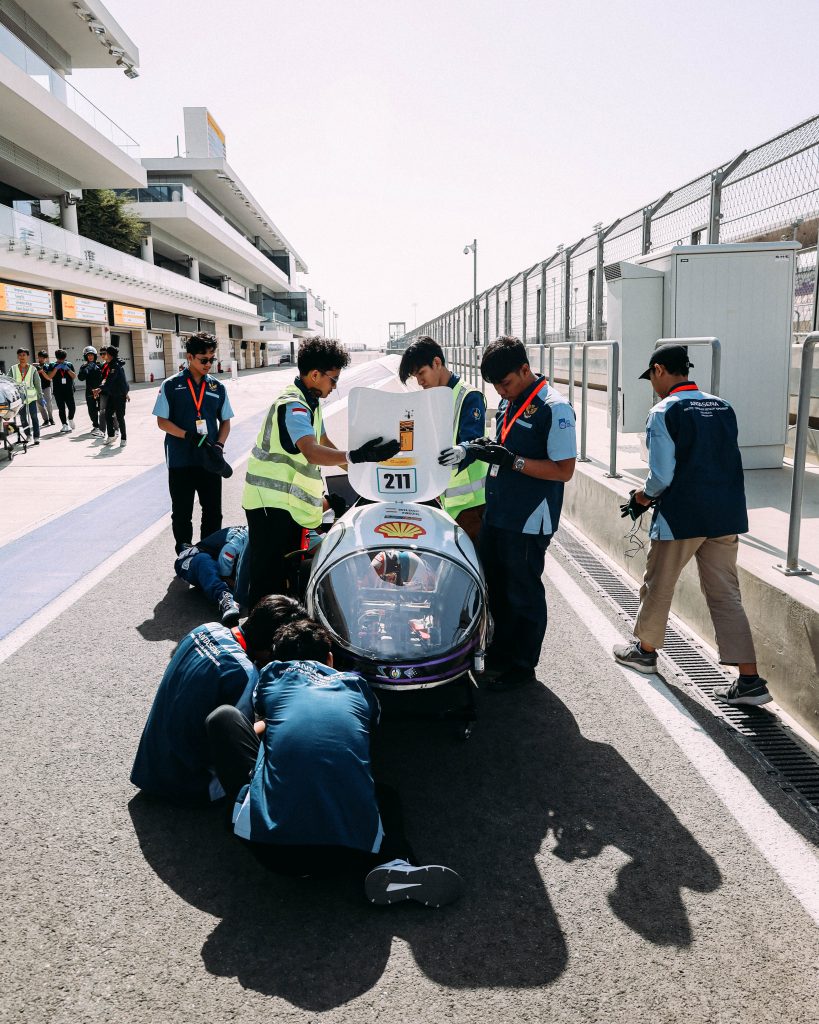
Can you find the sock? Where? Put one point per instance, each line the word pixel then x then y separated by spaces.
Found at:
pixel 748 679
pixel 642 651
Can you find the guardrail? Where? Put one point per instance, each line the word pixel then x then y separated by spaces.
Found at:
pixel 716 356
pixel 800 450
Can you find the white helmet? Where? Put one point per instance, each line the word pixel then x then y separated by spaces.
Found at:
pixel 89 350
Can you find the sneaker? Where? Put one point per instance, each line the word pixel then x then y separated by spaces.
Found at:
pixel 229 610
pixel 634 657
pixel 398 881
pixel 512 679
pixel 65 429
pixel 71 424
pixel 122 443
pixel 96 432
pixel 745 691
pixel 116 431
pixel 108 440
pixel 37 440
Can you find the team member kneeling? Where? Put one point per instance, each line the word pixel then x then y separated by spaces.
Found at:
pixel 312 805
pixel 212 666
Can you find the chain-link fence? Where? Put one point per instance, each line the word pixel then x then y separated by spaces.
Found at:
pixel 765 194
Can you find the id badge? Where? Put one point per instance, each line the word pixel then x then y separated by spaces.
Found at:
pixel 201 427
pixel 494 470
pixel 63 380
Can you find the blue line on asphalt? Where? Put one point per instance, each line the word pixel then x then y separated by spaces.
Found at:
pixel 45 563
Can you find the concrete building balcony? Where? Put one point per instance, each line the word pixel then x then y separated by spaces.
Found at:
pixel 49 119
pixel 176 210
pixel 35 252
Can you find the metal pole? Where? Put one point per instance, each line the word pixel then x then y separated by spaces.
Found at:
pixel 715 207
pixel 584 404
pixel 614 397
pixel 800 448
pixel 475 291
pixel 716 355
pixel 571 374
pixel 815 318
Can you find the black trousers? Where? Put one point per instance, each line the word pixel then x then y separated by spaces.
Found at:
pixel 92 404
pixel 272 534
pixel 66 406
pixel 513 566
pixel 233 749
pixel 115 413
pixel 185 483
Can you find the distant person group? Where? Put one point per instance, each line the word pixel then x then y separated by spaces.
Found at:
pixel 53 382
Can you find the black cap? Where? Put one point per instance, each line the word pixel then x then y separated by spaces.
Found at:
pixel 673 357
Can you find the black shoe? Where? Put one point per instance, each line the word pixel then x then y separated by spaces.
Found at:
pixel 513 679
pixel 741 691
pixel 398 881
pixel 229 610
pixel 635 657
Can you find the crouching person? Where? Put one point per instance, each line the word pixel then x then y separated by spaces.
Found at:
pixel 212 666
pixel 213 566
pixel 306 800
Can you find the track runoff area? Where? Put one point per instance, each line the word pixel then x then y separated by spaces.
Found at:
pixel 624 857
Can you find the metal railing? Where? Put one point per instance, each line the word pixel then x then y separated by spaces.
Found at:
pixel 800 451
pixel 716 356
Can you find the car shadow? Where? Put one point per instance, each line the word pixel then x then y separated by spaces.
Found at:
pixel 180 610
pixel 527 785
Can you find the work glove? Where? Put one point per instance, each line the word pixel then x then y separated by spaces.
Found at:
pixel 452 456
pixel 633 508
pixel 215 460
pixel 195 438
pixel 494 454
pixel 337 504
pixel 377 450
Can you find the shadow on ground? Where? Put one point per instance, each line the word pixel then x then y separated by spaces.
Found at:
pixel 182 609
pixel 483 807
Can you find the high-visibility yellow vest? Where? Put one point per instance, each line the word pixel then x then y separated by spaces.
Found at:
pixel 277 479
pixel 467 487
pixel 27 380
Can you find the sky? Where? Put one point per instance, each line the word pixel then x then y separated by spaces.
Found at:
pixel 382 137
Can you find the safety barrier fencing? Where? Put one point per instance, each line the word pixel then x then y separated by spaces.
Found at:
pixel 791 567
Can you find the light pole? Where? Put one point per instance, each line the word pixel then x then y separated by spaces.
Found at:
pixel 474 249
pixel 335 326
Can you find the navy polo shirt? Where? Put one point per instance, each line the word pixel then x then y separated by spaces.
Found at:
pixel 175 403
pixel 544 430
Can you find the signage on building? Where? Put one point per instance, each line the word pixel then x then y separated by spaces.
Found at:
pixel 128 316
pixel 81 309
pixel 216 138
pixel 24 301
pixel 161 320
pixel 158 351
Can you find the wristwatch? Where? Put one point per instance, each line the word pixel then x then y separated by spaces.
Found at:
pixel 519 463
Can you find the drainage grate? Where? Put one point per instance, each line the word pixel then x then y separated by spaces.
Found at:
pixel 782 753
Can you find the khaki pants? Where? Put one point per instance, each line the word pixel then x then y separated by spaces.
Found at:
pixel 717 567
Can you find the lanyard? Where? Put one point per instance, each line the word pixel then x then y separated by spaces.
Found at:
pixel 684 387
pixel 239 637
pixel 198 403
pixel 505 429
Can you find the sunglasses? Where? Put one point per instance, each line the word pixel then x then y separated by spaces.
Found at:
pixel 206 360
pixel 333 380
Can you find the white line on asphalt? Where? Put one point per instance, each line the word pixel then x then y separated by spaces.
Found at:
pixel 782 847
pixel 14 641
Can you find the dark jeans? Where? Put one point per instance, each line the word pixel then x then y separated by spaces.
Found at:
pixel 513 566
pixel 64 397
pixel 93 407
pixel 272 534
pixel 184 483
pixel 115 412
pixel 202 571
pixel 233 749
pixel 27 411
pixel 102 413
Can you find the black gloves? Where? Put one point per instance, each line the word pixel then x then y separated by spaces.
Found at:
pixel 489 451
pixel 377 450
pixel 633 507
pixel 195 438
pixel 213 453
pixel 337 504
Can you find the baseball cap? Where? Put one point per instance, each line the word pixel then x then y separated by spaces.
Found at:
pixel 673 357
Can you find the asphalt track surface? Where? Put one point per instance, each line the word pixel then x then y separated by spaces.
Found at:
pixel 605 879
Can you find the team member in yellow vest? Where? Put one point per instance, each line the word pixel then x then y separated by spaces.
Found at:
pixel 465 497
pixel 283 493
pixel 25 374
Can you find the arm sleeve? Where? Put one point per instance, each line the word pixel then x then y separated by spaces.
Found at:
pixel 298 421
pixel 82 373
pixel 472 424
pixel 161 406
pixel 561 442
pixel 226 412
pixel 662 456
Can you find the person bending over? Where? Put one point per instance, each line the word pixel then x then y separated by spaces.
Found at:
pixel 306 801
pixel 212 666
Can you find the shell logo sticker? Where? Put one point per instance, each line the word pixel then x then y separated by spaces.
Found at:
pixel 402 531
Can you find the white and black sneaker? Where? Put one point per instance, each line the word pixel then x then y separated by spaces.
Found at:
pixel 635 657
pixel 229 610
pixel 96 432
pixel 109 440
pixel 70 425
pixel 399 881
pixel 752 691
pixel 65 429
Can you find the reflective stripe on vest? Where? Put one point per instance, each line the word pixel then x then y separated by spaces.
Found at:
pixel 276 478
pixel 467 487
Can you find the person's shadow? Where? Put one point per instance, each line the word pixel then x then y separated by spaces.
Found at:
pixel 180 610
pixel 483 807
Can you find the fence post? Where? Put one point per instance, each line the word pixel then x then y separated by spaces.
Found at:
pixel 524 300
pixel 614 385
pixel 584 403
pixel 717 178
pixel 602 235
pixel 648 213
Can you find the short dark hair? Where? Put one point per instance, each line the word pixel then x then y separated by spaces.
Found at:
pixel 61 353
pixel 42 353
pixel 505 355
pixel 22 352
pixel 420 353
pixel 267 616
pixel 302 640
pixel 321 354
pixel 199 344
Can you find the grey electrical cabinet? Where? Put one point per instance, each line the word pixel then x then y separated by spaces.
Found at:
pixel 741 294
